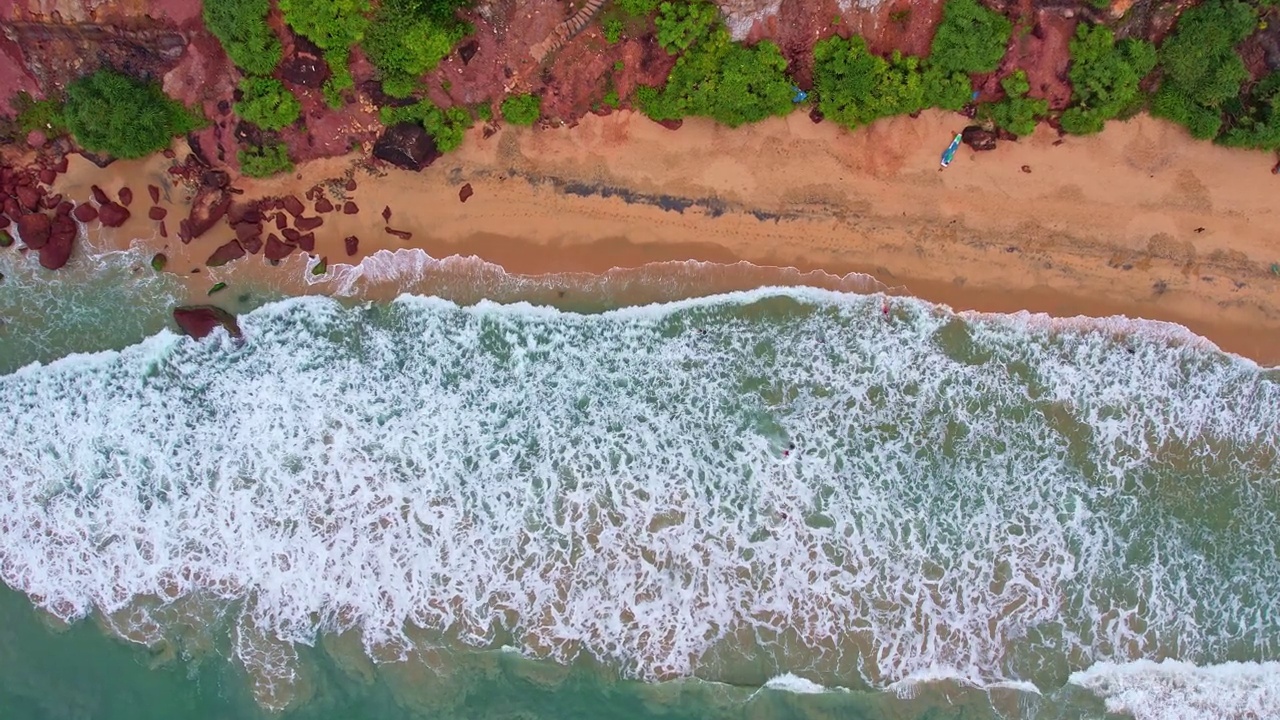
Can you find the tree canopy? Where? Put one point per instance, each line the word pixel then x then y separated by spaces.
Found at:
pixel 264 160
pixel 1104 77
pixel 1254 120
pixel 267 103
pixel 410 37
pixel 682 24
pixel 522 109
pixel 241 27
pixel 1017 113
pixel 970 39
pixel 855 87
pixel 330 24
pixel 445 126
pixel 116 114
pixel 1201 69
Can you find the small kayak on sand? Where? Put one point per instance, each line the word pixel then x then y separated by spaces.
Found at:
pixel 950 153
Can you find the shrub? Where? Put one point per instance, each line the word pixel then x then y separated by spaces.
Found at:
pixel 112 113
pixel 339 77
pixel 330 24
pixel 447 127
pixel 683 24
pixel 638 8
pixel 1201 67
pixel 855 87
pixel 1104 77
pixel 1255 120
pixel 613 30
pixel 522 109
pixel 723 80
pixel 410 37
pixel 47 116
pixel 1017 113
pixel 267 103
pixel 241 27
pixel 970 39
pixel 949 91
pixel 265 160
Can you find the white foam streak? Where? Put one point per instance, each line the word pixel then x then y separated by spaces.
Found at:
pixel 1176 690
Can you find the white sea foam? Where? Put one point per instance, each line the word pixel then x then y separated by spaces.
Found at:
pixel 962 495
pixel 1175 690
pixel 788 682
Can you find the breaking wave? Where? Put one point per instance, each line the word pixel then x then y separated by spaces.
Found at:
pixel 669 488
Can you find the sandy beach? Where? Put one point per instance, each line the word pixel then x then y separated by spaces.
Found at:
pixel 1140 220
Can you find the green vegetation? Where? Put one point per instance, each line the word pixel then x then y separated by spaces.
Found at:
pixel 1016 113
pixel 115 114
pixel 613 28
pixel 1201 67
pixel 855 87
pixel 47 116
pixel 410 37
pixel 446 126
pixel 681 24
pixel 267 103
pixel 638 8
pixel 241 27
pixel 522 109
pixel 970 39
pixel 1104 78
pixel 264 161
pixel 334 26
pixel 1254 120
pixel 340 79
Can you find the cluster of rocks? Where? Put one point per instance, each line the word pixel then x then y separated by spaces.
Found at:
pixel 43 221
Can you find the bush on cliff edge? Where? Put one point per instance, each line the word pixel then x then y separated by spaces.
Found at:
pixel 241 27
pixel 115 114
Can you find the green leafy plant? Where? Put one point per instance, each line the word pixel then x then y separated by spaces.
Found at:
pixel 522 109
pixel 682 24
pixel 1254 121
pixel 446 126
pixel 618 65
pixel 638 8
pixel 1017 113
pixel 726 81
pixel 613 28
pixel 855 87
pixel 330 24
pixel 265 160
pixel 949 91
pixel 1104 77
pixel 241 27
pixel 970 39
pixel 340 79
pixel 1201 69
pixel 410 37
pixel 267 103
pixel 115 114
pixel 47 116
pixel 611 99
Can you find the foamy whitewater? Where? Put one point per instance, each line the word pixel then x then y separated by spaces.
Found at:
pixel 870 502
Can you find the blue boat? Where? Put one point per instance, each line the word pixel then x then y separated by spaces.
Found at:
pixel 950 153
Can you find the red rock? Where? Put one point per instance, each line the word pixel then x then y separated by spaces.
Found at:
pixel 62 239
pixel 198 321
pixel 34 229
pixel 47 176
pixel 293 205
pixel 307 242
pixel 243 212
pixel 85 213
pixel 465 192
pixel 208 208
pixel 308 223
pixel 99 196
pixel 349 208
pixel 50 202
pixel 276 250
pixel 155 193
pixel 282 221
pixel 352 244
pixel 60 166
pixel 225 254
pixel 351 185
pixel 157 213
pixel 126 196
pixel 671 124
pixel 402 234
pixel 4 220
pixel 386 214
pixel 168 153
pixel 164 231
pixel 112 215
pixel 36 139
pixel 323 205
pixel 28 197
pixel 247 233
pixel 252 245
pixel 291 235
pixel 64 208
pixel 12 208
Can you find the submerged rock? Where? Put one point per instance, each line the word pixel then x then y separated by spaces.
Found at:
pixel 406 145
pixel 198 321
pixel 402 234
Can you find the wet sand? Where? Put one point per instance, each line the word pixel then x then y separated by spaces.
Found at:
pixel 1140 221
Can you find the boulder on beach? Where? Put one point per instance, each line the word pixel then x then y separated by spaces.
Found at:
pixel 352 245
pixel 402 234
pixel 157 213
pixel 198 321
pixel 307 241
pixel 323 205
pixel 34 229
pixel 979 138
pixel 406 145
pixel 99 195
pixel 28 197
pixel 208 207
pixel 386 213
pixel 276 250
pixel 465 192
pixel 350 208
pixel 225 254
pixel 62 240
pixel 351 185
pixel 154 192
pixel 112 215
pixel 293 205
pixel 48 176
pixel 85 213
pixel 126 196
pixel 308 223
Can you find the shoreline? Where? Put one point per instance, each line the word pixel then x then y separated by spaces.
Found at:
pixel 1140 220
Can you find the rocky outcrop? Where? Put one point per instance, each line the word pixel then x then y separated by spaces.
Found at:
pixel 55 53
pixel 277 250
pixel 34 229
pixel 979 138
pixel 465 192
pixel 199 321
pixel 62 240
pixel 406 145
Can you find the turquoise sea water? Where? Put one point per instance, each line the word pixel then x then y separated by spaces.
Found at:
pixel 773 503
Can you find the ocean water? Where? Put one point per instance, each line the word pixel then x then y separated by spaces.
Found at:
pixel 770 503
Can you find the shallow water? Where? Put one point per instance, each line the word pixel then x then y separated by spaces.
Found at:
pixel 775 503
